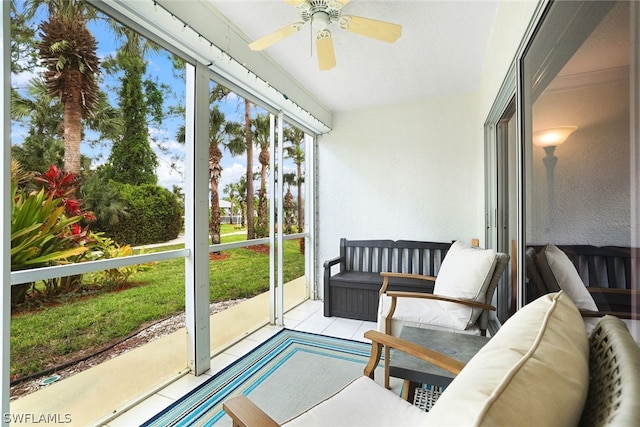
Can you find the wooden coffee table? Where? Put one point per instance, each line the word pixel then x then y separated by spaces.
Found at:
pixel 461 347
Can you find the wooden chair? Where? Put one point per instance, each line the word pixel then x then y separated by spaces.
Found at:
pixel 461 298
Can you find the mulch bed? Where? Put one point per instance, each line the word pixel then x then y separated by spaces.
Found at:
pixel 261 249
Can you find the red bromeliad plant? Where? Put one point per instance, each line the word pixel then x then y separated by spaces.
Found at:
pixel 62 185
pixel 45 229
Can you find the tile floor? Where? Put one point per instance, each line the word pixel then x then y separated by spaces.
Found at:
pixel 306 317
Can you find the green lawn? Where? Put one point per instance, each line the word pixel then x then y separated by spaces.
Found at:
pixel 45 338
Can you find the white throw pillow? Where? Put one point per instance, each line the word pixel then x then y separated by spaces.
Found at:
pixel 533 372
pixel 465 273
pixel 556 268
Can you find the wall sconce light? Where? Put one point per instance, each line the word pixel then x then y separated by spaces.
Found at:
pixel 552 137
pixel 549 139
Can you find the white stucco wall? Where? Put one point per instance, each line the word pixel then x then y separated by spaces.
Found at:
pixel 401 172
pixel 414 171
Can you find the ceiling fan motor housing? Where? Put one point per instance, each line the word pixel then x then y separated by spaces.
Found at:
pixel 321 13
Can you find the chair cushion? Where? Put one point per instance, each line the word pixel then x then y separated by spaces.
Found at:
pixel 361 403
pixel 534 371
pixel 464 273
pixel 558 272
pixel 419 313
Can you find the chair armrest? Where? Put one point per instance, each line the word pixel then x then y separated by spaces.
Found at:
pixel 386 275
pixel 245 413
pixel 467 302
pixel 331 262
pixel 380 340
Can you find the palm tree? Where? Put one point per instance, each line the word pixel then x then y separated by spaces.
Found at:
pixel 288 205
pixel 221 133
pixel 249 148
pixel 238 191
pixel 219 92
pixel 44 146
pixel 295 151
pixel 68 52
pixel 231 190
pixel 261 131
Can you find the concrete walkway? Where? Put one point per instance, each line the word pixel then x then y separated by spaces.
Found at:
pixel 180 239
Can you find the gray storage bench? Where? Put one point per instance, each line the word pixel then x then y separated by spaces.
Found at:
pixel 352 292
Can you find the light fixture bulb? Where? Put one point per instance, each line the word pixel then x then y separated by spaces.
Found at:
pixel 552 137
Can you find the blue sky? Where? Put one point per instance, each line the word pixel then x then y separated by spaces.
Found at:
pixel 159 68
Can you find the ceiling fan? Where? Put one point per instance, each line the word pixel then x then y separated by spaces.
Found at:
pixel 321 14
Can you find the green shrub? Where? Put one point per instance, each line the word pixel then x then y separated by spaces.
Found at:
pixel 153 215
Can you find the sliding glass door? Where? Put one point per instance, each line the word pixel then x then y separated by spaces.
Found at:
pixel 574 129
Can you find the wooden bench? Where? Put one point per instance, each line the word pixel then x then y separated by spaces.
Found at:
pixel 604 270
pixel 352 292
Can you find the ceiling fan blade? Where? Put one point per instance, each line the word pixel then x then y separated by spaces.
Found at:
pixel 343 3
pixel 276 36
pixel 326 54
pixel 385 31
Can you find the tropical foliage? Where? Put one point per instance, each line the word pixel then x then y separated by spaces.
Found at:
pixel 294 138
pixel 113 278
pixel 132 160
pixel 45 227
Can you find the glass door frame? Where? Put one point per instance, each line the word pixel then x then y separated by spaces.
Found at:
pixel 511 89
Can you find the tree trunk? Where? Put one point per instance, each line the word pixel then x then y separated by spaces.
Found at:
pixel 215 171
pixel 300 206
pixel 72 123
pixel 262 229
pixel 249 143
pixel 214 223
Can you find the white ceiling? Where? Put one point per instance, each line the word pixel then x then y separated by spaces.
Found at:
pixel 441 50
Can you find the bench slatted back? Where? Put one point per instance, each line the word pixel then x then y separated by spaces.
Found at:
pixel 427 255
pixel 405 256
pixel 600 267
pixel 366 255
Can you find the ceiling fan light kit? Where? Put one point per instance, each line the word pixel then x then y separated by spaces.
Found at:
pixel 321 14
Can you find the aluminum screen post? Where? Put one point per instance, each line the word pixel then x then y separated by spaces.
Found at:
pixel 5 90
pixel 197 219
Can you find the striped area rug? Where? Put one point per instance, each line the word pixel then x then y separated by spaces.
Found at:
pixel 285 375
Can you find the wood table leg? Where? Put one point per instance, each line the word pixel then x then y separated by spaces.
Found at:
pixel 408 390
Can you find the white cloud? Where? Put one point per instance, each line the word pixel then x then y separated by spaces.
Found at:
pixel 231 174
pixel 169 172
pixel 22 79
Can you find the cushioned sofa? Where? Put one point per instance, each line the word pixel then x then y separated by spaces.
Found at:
pixel 537 370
